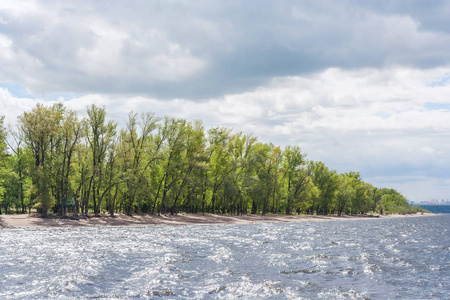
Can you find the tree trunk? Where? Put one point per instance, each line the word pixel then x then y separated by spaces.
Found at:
pixel 86 208
pixel 113 203
pixel 254 208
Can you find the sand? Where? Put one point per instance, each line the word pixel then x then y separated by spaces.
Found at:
pixel 24 220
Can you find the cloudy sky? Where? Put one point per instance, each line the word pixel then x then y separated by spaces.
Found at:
pixel 359 85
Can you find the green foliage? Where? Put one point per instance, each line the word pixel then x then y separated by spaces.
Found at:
pixel 391 201
pixel 42 189
pixel 346 192
pixel 2 138
pixel 326 181
pixel 3 157
pixel 298 179
pixel 167 165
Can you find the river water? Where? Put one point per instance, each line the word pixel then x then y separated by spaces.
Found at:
pixel 406 258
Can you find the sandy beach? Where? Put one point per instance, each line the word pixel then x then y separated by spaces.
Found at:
pixel 25 220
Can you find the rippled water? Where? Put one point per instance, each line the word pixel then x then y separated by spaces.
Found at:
pixel 406 258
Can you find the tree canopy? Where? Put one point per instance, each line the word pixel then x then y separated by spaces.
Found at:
pixel 60 163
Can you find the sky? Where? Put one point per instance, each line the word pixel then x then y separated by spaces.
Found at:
pixel 360 85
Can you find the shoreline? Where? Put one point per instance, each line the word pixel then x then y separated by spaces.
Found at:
pixel 33 220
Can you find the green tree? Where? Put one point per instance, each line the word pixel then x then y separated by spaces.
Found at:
pixel 241 178
pixel 174 131
pixel 21 163
pixel 192 159
pixel 391 201
pixel 326 181
pixel 267 162
pixel 297 175
pixel 219 161
pixel 168 166
pixel 71 132
pixel 100 135
pixel 345 192
pixel 270 178
pixel 136 144
pixel 11 185
pixel 3 157
pixel 40 129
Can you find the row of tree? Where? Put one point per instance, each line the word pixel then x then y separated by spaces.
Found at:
pixel 55 161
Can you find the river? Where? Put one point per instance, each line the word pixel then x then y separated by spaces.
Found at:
pixel 405 258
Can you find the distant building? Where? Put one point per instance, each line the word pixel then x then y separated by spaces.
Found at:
pixel 435 202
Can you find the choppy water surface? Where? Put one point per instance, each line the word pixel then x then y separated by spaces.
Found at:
pixel 370 259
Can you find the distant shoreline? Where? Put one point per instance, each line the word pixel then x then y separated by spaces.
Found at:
pixel 25 220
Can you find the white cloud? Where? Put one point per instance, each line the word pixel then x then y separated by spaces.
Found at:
pixel 427 150
pixel 11 107
pixel 95 51
pixel 193 50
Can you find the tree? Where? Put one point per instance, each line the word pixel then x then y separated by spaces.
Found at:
pixel 167 166
pixel 3 157
pixel 100 135
pixel 363 198
pixel 270 177
pixel 40 129
pixel 3 135
pixel 297 175
pixel 82 168
pixel 21 162
pixel 71 132
pixel 219 157
pixel 258 190
pixel 391 201
pixel 173 130
pixel 11 185
pixel 345 191
pixel 192 158
pixel 326 181
pixel 135 145
pixel 240 180
pixel 266 161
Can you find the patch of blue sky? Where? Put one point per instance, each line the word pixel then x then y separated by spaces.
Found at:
pixel 441 81
pixel 58 96
pixel 384 116
pixel 19 91
pixel 437 106
pixel 16 90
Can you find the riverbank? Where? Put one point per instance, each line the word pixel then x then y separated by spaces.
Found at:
pixel 15 221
